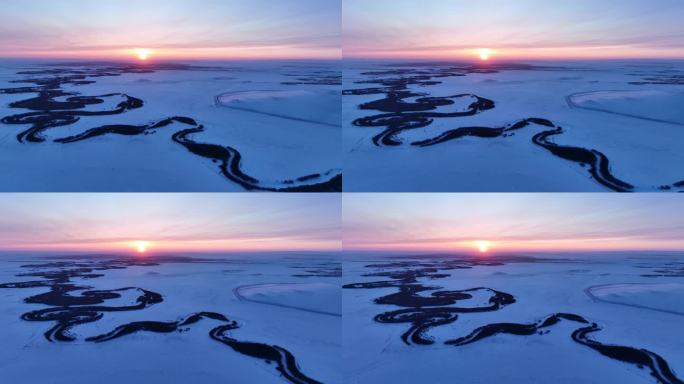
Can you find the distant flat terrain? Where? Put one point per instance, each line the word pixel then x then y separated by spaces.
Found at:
pixel 171 319
pixel 523 127
pixel 214 126
pixel 572 318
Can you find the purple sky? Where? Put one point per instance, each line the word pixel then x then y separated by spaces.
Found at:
pixel 205 29
pixel 509 221
pixel 169 222
pixel 514 29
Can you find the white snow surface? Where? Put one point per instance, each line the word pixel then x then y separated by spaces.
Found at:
pixel 374 352
pixel 273 148
pixel 187 357
pixel 645 153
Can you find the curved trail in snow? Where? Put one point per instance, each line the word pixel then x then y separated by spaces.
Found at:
pixel 218 103
pixel 590 294
pixel 239 296
pixel 571 103
pixel 70 305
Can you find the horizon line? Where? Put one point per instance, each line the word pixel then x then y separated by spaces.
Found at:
pixel 167 59
pixel 507 59
pixel 151 253
pixel 493 252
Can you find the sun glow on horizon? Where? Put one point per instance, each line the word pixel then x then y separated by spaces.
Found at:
pixel 483 246
pixel 484 53
pixel 143 53
pixel 141 246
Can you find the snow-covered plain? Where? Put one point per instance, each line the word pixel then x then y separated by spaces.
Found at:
pixel 646 317
pixel 291 131
pixel 188 355
pixel 627 110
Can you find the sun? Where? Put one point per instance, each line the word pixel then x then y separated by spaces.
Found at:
pixel 143 53
pixel 483 246
pixel 484 53
pixel 141 246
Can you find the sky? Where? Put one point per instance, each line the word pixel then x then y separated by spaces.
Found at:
pixel 513 222
pixel 169 223
pixel 171 29
pixel 521 29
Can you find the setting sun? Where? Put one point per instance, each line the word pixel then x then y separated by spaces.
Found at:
pixel 483 246
pixel 141 246
pixel 484 53
pixel 143 53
